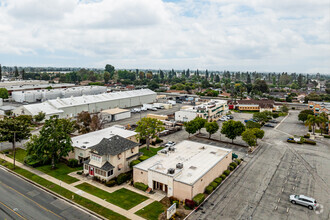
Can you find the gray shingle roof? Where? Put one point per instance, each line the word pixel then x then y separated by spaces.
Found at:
pixel 106 167
pixel 113 146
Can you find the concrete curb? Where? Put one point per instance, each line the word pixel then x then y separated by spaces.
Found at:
pixel 54 193
pixel 212 192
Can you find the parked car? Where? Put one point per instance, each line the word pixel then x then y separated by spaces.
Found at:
pixel 303 200
pixel 170 144
pixel 144 109
pixel 230 116
pixel 269 125
pixel 273 121
pixel 153 109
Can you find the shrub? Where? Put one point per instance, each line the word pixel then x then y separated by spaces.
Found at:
pixel 172 199
pixel 189 203
pixel 158 140
pixel 291 141
pixel 110 183
pixel 72 163
pixel 238 161
pixel 134 162
pixel 226 172
pixel 233 164
pixel 142 158
pixel 310 142
pixel 231 168
pixel 310 130
pixel 300 142
pixel 199 198
pixel 176 202
pixel 223 176
pixel 307 136
pixel 79 172
pixel 123 177
pixel 326 136
pixel 218 180
pixel 141 186
pixel 214 184
pixel 208 189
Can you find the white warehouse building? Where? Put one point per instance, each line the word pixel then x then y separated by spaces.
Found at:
pixel 45 94
pixel 70 107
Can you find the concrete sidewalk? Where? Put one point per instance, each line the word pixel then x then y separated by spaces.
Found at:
pixel 75 190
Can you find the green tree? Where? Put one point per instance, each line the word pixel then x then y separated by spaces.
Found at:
pixel 4 93
pixel 261 85
pixel 200 122
pixel 148 128
pixel 13 130
pixel 303 115
pixel 249 137
pixel 311 121
pixel 260 117
pixel 110 69
pixel 27 119
pixel 217 78
pixel 54 140
pixel 232 129
pixel 153 85
pixel 258 133
pixel 285 108
pixel 84 120
pixel 39 117
pixel 211 127
pixel 106 77
pixel 190 127
pixel 252 124
pixel 321 122
pixel 16 71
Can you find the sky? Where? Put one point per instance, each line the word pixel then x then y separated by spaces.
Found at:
pixel 236 35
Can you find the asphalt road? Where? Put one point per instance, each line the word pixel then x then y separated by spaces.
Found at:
pixel 22 200
pixel 260 188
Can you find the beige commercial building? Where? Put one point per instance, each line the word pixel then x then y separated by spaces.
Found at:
pixel 184 170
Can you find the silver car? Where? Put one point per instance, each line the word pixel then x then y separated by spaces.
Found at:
pixel 303 200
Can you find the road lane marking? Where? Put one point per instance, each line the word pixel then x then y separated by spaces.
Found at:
pixel 32 200
pixel 12 210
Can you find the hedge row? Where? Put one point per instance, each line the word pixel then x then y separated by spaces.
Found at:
pixel 141 186
pixel 199 198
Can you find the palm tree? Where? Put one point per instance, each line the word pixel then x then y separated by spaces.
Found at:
pixel 311 121
pixel 321 120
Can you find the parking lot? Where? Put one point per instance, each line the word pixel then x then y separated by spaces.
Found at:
pixel 260 188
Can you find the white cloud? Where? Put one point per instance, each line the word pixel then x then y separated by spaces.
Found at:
pixel 217 34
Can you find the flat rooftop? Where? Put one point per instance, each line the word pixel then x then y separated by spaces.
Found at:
pixel 88 140
pixel 114 111
pixel 197 159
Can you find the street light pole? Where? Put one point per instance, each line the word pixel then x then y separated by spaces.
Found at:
pixel 14 147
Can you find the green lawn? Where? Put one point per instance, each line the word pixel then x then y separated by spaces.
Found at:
pixel 60 172
pixel 151 152
pixel 151 211
pixel 20 154
pixel 123 198
pixel 107 213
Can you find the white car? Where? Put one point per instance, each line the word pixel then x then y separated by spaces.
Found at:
pixel 303 200
pixel 170 144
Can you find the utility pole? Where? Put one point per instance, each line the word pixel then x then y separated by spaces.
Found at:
pixel 14 148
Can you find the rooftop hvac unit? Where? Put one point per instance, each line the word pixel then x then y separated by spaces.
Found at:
pixel 179 165
pixel 171 171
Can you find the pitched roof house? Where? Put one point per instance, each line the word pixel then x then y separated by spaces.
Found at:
pixel 110 157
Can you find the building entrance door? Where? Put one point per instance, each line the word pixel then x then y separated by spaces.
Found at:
pixel 91 171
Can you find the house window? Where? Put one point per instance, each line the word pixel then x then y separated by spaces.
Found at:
pixel 96 158
pixel 119 156
pixel 110 172
pixel 86 167
pixel 132 150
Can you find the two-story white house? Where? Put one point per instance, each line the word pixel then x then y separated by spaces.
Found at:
pixel 111 157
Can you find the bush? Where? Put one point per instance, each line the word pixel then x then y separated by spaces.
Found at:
pixel 226 172
pixel 214 184
pixel 293 108
pixel 223 176
pixel 291 141
pixel 79 172
pixel 176 202
pixel 326 136
pixel 310 142
pixel 233 164
pixel 189 203
pixel 307 136
pixel 134 162
pixel 123 177
pixel 141 186
pixel 199 198
pixel 209 189
pixel 218 180
pixel 238 161
pixel 142 158
pixel 231 168
pixel 172 199
pixel 300 142
pixel 110 183
pixel 158 140
pixel 73 163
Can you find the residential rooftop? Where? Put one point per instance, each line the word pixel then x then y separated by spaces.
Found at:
pixel 197 159
pixel 88 140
